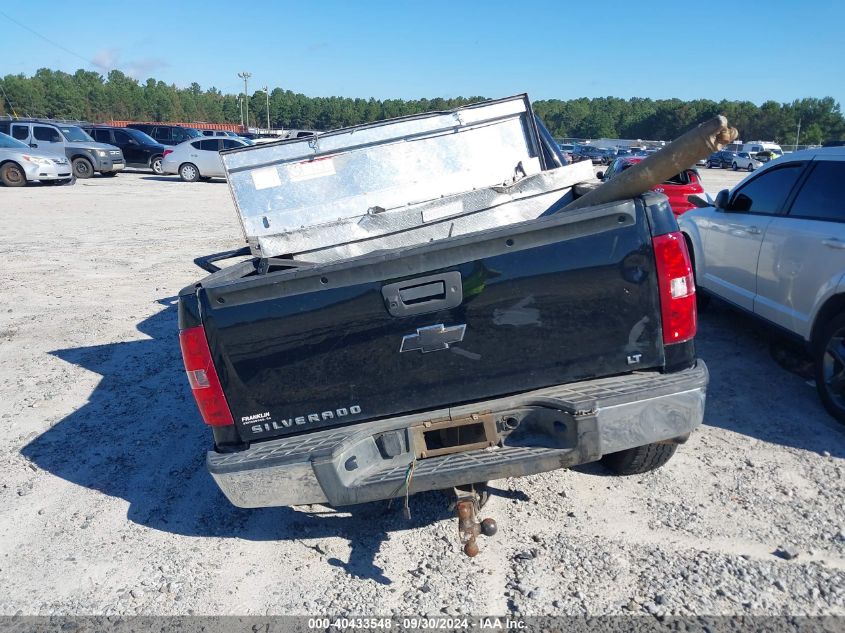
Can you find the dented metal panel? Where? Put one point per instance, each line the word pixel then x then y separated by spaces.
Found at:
pixel 357 183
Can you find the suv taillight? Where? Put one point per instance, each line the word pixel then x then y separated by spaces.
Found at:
pixel 202 376
pixel 166 152
pixel 677 288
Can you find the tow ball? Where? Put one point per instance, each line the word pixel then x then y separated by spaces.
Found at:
pixel 468 503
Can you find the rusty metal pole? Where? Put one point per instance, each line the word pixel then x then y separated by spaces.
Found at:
pixel 683 152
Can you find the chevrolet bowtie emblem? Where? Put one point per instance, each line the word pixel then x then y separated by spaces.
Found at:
pixel 433 338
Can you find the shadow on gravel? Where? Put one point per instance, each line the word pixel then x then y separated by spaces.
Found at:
pixel 761 384
pixel 176 178
pixel 140 438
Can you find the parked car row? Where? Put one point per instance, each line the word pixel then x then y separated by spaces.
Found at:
pixel 747 156
pixel 86 156
pixel 43 150
pixel 603 155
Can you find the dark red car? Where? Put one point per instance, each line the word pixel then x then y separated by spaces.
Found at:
pixel 677 188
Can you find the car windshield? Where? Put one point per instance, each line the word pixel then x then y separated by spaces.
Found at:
pixel 75 134
pixel 141 137
pixel 7 142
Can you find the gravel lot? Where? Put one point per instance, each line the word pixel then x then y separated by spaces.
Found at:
pixel 106 508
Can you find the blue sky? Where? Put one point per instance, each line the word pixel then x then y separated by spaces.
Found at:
pixel 753 50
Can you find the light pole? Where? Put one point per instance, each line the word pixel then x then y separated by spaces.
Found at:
pixel 241 106
pixel 245 76
pixel 798 134
pixel 267 91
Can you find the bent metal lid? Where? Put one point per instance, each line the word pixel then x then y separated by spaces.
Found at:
pixel 346 185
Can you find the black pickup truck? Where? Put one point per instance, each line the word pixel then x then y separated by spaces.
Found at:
pixel 418 311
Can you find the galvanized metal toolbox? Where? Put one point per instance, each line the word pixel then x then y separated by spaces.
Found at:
pixel 396 183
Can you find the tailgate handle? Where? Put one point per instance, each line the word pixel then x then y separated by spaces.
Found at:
pixel 423 294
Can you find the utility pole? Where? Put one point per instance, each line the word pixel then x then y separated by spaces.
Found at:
pixel 798 134
pixel 245 76
pixel 241 106
pixel 267 91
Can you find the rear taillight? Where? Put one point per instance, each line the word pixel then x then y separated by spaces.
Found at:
pixel 202 376
pixel 166 152
pixel 677 288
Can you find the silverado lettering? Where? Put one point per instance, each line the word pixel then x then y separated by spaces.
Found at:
pixel 285 423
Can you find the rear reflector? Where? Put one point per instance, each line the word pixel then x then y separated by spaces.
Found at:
pixel 166 152
pixel 203 379
pixel 677 288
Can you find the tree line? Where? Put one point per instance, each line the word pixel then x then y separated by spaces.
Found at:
pixel 90 96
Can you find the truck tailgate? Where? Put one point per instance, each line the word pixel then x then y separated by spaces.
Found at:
pixel 545 302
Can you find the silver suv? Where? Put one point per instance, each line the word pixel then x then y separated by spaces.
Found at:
pixel 87 157
pixel 774 247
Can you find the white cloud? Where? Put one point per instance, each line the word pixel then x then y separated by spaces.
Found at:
pixel 106 58
pixel 111 59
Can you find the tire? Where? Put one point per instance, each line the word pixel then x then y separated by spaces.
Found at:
pixel 82 168
pixel 155 165
pixel 829 367
pixel 12 175
pixel 734 167
pixel 189 172
pixel 750 167
pixel 69 181
pixel 639 460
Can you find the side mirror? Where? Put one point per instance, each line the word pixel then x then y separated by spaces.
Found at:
pixel 600 175
pixel 722 199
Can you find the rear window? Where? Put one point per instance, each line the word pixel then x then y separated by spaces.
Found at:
pixel 821 195
pixel 101 136
pixel 684 178
pixel 45 133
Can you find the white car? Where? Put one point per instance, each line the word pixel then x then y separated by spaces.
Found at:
pixel 744 160
pixel 20 164
pixel 198 158
pixel 775 248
